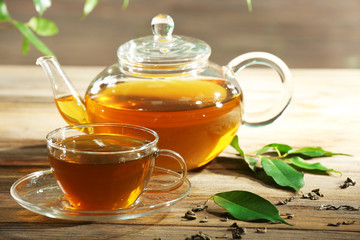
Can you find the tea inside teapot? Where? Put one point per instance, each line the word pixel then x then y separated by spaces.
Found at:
pixel 197 118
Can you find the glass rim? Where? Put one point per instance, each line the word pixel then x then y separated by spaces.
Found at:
pixel 79 126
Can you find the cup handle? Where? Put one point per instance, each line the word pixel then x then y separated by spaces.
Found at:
pixel 179 177
pixel 268 115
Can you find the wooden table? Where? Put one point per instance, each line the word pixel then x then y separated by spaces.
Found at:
pixel 324 112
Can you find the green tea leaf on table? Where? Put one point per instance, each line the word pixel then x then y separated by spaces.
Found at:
pixel 43 27
pixel 4 14
pixel 278 147
pixel 42 5
pixel 88 7
pixel 301 163
pixel 313 152
pixel 282 173
pixel 235 144
pixel 32 38
pixel 247 206
pixel 251 162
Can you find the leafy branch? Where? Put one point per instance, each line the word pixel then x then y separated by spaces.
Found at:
pixel 40 26
pixel 281 162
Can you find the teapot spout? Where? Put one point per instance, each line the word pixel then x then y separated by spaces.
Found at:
pixel 68 101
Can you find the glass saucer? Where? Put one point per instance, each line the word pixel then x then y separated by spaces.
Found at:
pixel 39 193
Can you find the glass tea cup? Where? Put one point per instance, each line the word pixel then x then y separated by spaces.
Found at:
pixel 101 167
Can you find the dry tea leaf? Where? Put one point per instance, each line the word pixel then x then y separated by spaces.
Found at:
pixel 348 182
pixel 190 215
pixel 237 231
pixel 199 236
pixel 199 208
pixel 348 222
pixel 339 223
pixel 311 196
pixel 315 194
pixel 261 230
pixel 289 215
pixel 334 224
pixel 287 200
pixel 332 207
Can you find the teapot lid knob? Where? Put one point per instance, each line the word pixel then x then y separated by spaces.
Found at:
pixel 162 26
pixel 171 52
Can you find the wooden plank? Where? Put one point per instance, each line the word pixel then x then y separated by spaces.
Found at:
pixel 318 116
pixel 144 232
pixel 307 213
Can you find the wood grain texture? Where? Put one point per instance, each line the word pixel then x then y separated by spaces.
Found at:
pixel 324 112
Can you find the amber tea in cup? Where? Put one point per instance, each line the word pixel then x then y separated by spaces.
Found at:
pixel 102 167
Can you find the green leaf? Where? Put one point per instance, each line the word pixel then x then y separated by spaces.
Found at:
pixel 4 14
pixel 301 163
pixel 42 26
pixel 235 144
pixel 247 206
pixel 25 46
pixel 282 173
pixel 125 4
pixel 42 5
pixel 249 5
pixel 251 162
pixel 27 33
pixel 313 152
pixel 88 7
pixel 278 147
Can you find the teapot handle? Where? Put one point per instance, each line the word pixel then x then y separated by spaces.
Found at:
pixel 268 115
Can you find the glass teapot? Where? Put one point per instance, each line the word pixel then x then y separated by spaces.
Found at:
pixel 166 82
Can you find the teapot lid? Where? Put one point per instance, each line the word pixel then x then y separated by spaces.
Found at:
pixel 163 50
